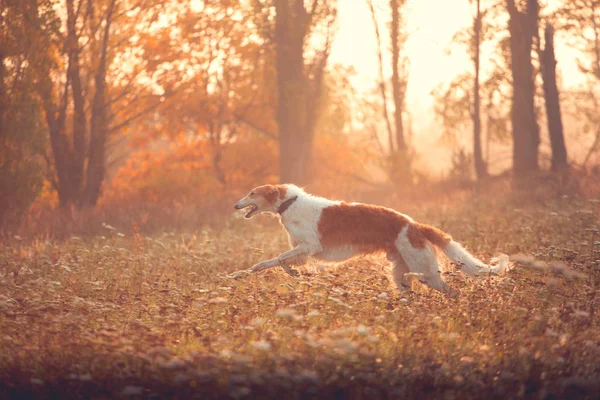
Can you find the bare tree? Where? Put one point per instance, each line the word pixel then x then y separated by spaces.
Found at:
pixel 399 158
pixel 381 85
pixel 480 167
pixel 299 85
pixel 76 101
pixel 552 101
pixel 399 80
pixel 98 120
pixel 523 25
pixel 581 19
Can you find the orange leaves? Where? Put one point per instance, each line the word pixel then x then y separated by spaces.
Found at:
pixel 187 172
pixel 47 199
pixel 191 171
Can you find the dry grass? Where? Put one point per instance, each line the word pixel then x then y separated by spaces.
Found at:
pixel 155 317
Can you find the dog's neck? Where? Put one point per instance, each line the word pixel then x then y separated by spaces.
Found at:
pixel 286 204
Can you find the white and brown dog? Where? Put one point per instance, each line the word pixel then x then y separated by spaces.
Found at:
pixel 335 231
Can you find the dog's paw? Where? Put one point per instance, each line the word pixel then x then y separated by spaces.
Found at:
pixel 259 267
pixel 239 275
pixel 292 272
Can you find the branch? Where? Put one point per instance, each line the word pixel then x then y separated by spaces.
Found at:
pixel 376 138
pixel 135 116
pixel 381 77
pixel 257 128
pixel 512 8
pixel 358 178
pixel 146 110
pixel 533 14
pixel 596 41
pixel 310 15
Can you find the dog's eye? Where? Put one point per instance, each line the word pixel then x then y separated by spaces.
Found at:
pixel 252 193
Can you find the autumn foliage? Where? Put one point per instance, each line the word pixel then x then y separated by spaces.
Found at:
pixel 184 172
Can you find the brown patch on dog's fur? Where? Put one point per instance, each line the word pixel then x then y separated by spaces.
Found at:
pixel 369 228
pixel 419 234
pixel 415 236
pixel 282 191
pixel 267 192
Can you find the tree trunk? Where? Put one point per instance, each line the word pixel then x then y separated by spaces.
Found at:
pixel 382 90
pixel 76 162
pixel 525 131
pixel 400 161
pixel 313 105
pixel 552 100
pixel 58 142
pixel 55 119
pixel 98 129
pixel 480 167
pixel 3 93
pixel 398 82
pixel 290 30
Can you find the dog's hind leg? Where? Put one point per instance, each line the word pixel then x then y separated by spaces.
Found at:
pixel 399 268
pixel 423 261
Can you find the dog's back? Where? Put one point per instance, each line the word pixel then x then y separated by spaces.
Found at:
pixel 366 227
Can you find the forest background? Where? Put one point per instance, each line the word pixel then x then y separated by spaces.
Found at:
pixel 163 112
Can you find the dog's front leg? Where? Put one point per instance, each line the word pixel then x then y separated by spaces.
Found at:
pixel 297 256
pixel 298 253
pixel 273 263
pixel 264 265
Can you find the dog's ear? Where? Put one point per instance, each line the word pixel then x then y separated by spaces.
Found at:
pixel 272 194
pixel 282 191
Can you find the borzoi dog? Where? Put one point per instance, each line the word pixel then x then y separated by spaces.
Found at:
pixel 336 231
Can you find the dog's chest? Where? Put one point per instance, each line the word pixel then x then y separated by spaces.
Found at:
pixel 302 225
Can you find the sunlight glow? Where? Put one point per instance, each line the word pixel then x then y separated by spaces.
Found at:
pixel 431 24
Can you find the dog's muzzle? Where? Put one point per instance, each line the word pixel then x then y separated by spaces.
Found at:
pixel 242 204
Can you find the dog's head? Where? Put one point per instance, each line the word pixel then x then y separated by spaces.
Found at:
pixel 266 198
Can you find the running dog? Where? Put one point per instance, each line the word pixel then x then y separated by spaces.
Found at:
pixel 336 231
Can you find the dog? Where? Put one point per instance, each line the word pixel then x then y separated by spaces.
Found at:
pixel 332 231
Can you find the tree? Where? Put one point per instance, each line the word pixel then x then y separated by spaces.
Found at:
pixel 73 160
pixel 552 101
pixel 459 103
pixel 229 93
pixel 382 85
pixel 87 98
pixel 581 20
pixel 480 167
pixel 22 49
pixel 399 73
pixel 299 82
pixel 398 149
pixel 523 26
pixel 401 168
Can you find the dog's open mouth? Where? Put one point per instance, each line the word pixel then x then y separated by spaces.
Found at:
pixel 253 209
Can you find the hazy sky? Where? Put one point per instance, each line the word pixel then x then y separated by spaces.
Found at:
pixel 431 26
pixel 430 35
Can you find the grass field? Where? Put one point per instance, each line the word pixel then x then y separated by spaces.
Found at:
pixel 126 315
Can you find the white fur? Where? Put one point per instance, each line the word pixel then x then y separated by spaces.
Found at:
pixel 417 261
pixel 470 265
pixel 301 219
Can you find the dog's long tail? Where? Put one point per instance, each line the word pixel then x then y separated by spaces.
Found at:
pixel 469 265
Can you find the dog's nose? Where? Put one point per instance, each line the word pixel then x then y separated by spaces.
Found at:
pixel 237 206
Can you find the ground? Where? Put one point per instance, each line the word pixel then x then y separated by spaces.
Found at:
pixel 166 315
